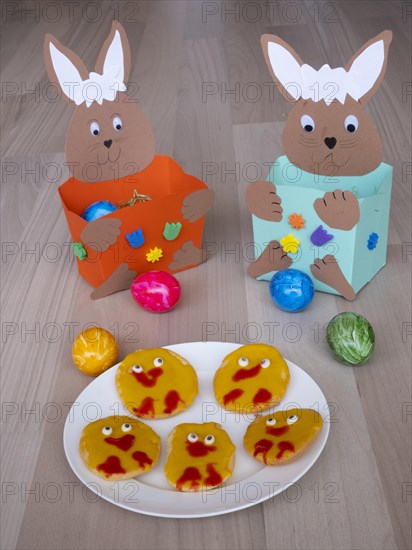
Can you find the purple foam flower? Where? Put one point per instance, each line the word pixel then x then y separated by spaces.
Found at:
pixel 320 236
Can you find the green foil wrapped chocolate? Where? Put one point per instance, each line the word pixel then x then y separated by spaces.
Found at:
pixel 351 338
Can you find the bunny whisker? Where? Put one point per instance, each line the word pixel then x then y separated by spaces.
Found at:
pixel 94 146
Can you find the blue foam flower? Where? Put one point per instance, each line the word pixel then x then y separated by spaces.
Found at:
pixel 372 241
pixel 135 239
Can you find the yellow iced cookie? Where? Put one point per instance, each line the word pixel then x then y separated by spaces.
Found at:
pixel 119 447
pixel 199 456
pixel 156 383
pixel 282 436
pixel 251 379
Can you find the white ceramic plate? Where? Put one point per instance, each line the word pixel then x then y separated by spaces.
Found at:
pixel 150 493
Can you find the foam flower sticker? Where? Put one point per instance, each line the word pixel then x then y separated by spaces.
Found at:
pixel 135 239
pixel 290 243
pixel 296 221
pixel 172 230
pixel 373 241
pixel 79 251
pixel 320 236
pixel 154 255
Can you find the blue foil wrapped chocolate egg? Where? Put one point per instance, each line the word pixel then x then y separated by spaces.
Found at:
pixel 98 210
pixel 291 290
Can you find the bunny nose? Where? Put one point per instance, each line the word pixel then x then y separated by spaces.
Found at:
pixel 330 142
pixel 109 142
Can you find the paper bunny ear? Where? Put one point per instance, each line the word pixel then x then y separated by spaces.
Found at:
pixel 70 74
pixel 115 53
pixel 284 65
pixel 367 67
pixel 360 78
pixel 64 68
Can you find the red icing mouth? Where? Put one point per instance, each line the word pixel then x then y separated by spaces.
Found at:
pixel 198 448
pixel 242 374
pixel 123 443
pixel 277 432
pixel 150 379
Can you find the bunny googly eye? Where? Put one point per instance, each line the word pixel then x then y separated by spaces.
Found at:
pixel 271 421
pixel 307 123
pixel 117 123
pixel 209 439
pixel 137 369
pixel 94 128
pixel 351 123
pixel 265 363
pixel 126 427
pixel 192 438
pixel 158 362
pixel 107 430
pixel 243 362
pixel 292 419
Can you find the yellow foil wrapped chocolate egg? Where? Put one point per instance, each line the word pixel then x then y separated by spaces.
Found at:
pixel 94 351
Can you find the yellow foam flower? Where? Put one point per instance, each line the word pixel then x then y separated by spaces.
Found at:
pixel 290 243
pixel 154 255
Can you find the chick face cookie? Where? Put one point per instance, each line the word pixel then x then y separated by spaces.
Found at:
pixel 251 379
pixel 119 447
pixel 282 436
pixel 199 457
pixel 156 383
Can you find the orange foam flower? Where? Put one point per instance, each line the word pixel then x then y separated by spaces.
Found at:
pixel 296 221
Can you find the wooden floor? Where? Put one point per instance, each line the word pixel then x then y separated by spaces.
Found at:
pixel 177 46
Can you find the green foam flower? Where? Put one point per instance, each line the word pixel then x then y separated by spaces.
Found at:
pixel 79 251
pixel 172 230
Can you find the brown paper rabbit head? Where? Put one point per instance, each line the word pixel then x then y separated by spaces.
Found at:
pixel 109 137
pixel 328 130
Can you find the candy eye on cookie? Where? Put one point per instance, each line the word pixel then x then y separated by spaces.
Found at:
pixel 291 419
pixel 158 362
pixel 243 362
pixel 265 363
pixel 192 438
pixel 209 439
pixel 271 421
pixel 126 427
pixel 107 430
pixel 137 369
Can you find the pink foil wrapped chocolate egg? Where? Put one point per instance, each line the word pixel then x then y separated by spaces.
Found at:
pixel 156 291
